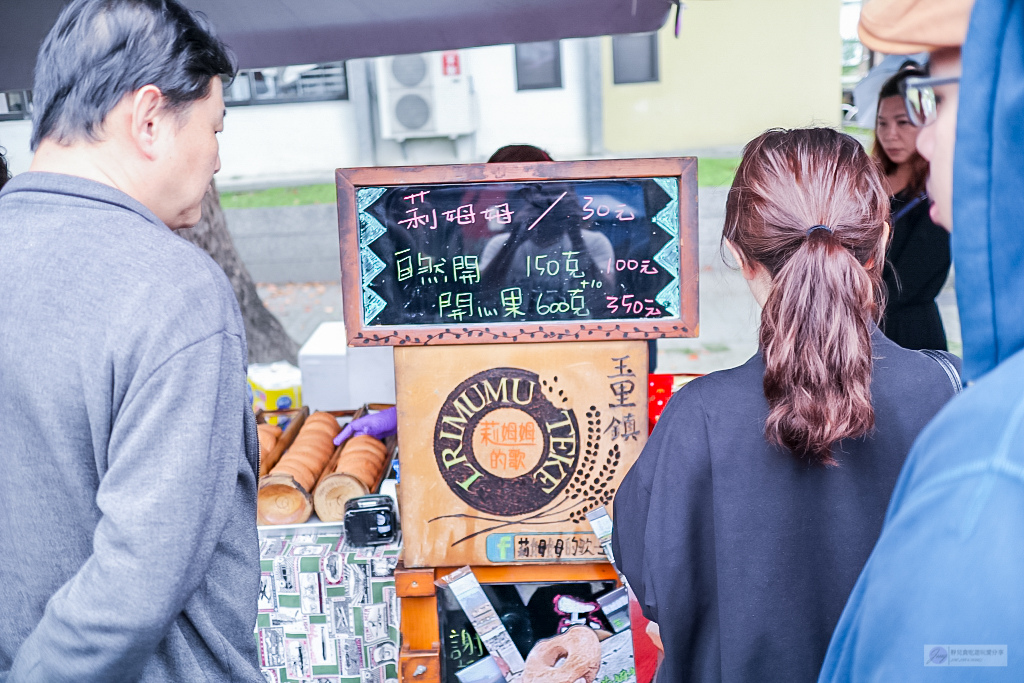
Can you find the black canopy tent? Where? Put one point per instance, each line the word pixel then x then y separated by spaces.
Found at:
pixel 267 33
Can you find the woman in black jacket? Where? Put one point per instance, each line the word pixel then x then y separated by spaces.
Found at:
pixel 918 259
pixel 743 525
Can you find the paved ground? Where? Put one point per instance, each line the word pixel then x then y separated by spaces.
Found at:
pixel 302 306
pixel 288 243
pixel 728 314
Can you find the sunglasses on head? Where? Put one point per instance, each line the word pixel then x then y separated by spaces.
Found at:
pixel 919 97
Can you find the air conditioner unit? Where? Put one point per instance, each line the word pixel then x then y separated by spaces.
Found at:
pixel 424 96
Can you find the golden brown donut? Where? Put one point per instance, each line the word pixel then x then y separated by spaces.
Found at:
pixel 367 465
pixel 318 428
pixel 361 454
pixel 308 455
pixel 267 435
pixel 268 431
pixel 579 647
pixel 350 456
pixel 364 474
pixel 323 418
pixel 364 440
pixel 359 463
pixel 363 448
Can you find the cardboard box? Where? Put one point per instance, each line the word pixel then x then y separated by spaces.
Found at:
pixel 334 374
pixel 275 386
pixel 505 448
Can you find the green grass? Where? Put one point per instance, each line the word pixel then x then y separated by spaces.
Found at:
pixel 711 172
pixel 280 196
pixel 858 132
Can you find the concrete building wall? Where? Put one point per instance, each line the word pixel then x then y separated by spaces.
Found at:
pixel 261 145
pixel 554 119
pixel 297 143
pixel 737 68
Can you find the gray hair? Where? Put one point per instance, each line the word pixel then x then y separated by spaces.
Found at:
pixel 101 50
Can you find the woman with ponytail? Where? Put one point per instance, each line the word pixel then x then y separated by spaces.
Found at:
pixel 748 516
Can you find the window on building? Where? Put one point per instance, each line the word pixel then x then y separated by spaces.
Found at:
pixel 635 58
pixel 300 83
pixel 538 65
pixel 15 104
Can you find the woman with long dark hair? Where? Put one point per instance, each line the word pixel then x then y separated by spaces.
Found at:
pixel 743 525
pixel 918 258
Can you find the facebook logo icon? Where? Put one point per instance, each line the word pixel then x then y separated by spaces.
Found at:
pixel 500 547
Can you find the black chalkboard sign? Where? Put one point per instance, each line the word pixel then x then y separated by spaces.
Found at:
pixel 536 256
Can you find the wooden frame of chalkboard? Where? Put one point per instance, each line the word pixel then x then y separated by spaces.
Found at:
pixel 396 293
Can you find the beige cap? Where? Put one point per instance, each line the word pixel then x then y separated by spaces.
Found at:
pixel 903 27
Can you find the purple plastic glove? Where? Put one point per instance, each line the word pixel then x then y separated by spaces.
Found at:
pixel 378 425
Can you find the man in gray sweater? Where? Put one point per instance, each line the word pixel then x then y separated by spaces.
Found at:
pixel 128 547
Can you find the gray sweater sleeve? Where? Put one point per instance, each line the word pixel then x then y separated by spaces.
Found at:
pixel 172 468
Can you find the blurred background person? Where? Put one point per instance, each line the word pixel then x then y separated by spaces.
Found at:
pixel 518 154
pixel 596 246
pixel 535 233
pixel 918 258
pixel 477 234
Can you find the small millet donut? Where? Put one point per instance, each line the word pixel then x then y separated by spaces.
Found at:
pixel 579 647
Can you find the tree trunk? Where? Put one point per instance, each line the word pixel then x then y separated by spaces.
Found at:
pixel 266 338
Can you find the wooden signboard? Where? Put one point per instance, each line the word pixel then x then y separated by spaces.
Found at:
pixel 506 447
pixel 553 251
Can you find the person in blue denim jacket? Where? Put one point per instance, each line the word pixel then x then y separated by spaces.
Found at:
pixel 942 595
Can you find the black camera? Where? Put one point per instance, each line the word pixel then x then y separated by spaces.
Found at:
pixel 370 520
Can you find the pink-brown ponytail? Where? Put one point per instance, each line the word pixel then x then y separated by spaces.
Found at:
pixel 826 282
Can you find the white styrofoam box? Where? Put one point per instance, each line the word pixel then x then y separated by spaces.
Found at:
pixel 337 377
pixel 324 364
pixel 371 374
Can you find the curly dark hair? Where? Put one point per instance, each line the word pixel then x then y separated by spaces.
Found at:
pixel 5 173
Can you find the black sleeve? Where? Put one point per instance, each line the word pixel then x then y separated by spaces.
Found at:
pixel 921 262
pixel 664 531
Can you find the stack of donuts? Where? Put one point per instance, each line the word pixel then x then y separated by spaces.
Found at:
pixel 363 458
pixel 313 447
pixel 285 493
pixel 357 471
pixel 268 435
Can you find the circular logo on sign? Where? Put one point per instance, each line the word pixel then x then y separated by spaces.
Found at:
pixel 502 446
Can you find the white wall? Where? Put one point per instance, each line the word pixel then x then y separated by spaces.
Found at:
pixel 260 145
pixel 14 137
pixel 554 119
pixel 287 143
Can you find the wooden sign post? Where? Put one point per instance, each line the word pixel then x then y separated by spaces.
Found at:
pixel 505 443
